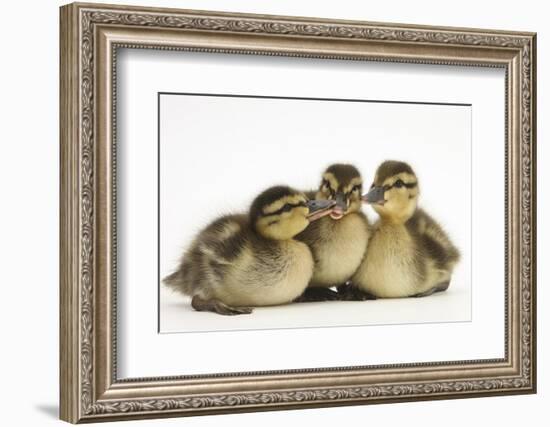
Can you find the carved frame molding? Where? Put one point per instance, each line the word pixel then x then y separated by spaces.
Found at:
pixel 90 36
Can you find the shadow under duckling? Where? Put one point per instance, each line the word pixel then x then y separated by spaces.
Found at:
pixel 409 253
pixel 339 240
pixel 239 261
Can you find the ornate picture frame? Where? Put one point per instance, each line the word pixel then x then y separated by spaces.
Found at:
pixel 90 37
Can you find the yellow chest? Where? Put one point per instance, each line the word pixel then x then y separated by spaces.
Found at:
pixel 260 282
pixel 339 254
pixel 389 266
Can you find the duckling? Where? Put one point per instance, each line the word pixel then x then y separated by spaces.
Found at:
pixel 239 261
pixel 409 252
pixel 338 241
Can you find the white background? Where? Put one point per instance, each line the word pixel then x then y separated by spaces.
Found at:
pixel 253 143
pixel 143 352
pixel 29 227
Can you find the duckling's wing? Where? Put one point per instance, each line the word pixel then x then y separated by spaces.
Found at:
pixel 435 241
pixel 208 257
pixel 224 239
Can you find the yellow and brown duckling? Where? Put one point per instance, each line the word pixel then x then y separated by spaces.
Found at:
pixel 239 261
pixel 338 241
pixel 409 253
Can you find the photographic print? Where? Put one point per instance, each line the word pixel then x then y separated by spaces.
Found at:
pixel 259 201
pixel 395 247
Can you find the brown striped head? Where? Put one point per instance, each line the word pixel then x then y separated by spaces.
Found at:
pixel 343 184
pixel 394 192
pixel 280 212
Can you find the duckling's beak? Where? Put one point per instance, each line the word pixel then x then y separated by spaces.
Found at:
pixel 340 207
pixel 319 208
pixel 375 196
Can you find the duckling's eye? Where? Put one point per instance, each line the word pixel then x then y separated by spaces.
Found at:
pixel 356 188
pixel 398 183
pixel 287 208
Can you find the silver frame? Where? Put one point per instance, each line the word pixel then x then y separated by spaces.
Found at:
pixel 90 36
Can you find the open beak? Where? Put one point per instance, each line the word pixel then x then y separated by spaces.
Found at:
pixel 375 196
pixel 319 208
pixel 340 207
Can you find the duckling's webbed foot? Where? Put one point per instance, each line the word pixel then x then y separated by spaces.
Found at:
pixel 317 295
pixel 218 306
pixel 437 288
pixel 348 292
